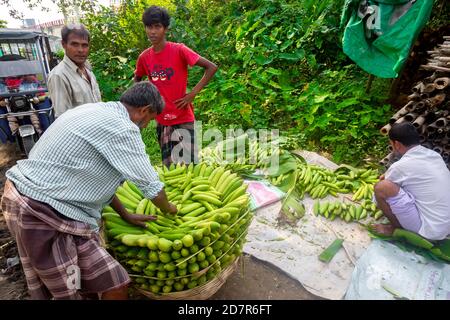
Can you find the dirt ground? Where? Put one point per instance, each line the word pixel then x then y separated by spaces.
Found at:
pixel 12 280
pixel 253 280
pixel 258 280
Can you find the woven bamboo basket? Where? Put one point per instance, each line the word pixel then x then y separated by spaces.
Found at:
pixel 202 292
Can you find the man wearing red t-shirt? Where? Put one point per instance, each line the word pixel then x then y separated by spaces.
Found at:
pixel 166 64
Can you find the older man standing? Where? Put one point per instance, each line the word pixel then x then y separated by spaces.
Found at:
pixel 71 83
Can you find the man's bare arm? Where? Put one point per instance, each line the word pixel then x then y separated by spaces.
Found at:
pixel 210 70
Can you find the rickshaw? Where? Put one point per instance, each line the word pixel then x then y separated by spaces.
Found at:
pixel 25 108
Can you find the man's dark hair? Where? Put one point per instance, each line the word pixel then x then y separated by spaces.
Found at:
pixel 155 14
pixel 77 29
pixel 142 94
pixel 405 133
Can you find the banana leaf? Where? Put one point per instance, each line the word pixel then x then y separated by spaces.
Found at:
pixel 331 251
pixel 345 168
pixel 291 207
pixel 286 163
pixel 299 158
pixel 288 182
pixel 252 176
pixel 443 245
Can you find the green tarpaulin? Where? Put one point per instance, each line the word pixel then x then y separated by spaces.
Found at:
pixel 379 34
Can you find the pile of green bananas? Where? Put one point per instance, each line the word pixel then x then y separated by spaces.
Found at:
pixel 347 211
pixel 319 182
pixel 294 175
pixel 176 253
pixel 240 154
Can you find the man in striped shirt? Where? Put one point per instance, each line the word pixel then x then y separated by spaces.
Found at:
pixel 53 199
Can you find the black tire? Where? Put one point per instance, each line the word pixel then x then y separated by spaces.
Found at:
pixel 27 144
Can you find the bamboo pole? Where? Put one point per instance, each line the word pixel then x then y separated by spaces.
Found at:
pixel 410 106
pixel 414 97
pixel 438 149
pixel 447 148
pixel 428 107
pixel 441 83
pixel 434 68
pixel 430 78
pixel 431 129
pixel 398 114
pixel 418 88
pixel 410 117
pixel 437 99
pixel 401 120
pixel 421 105
pixel 441 122
pixel 385 130
pixel 429 88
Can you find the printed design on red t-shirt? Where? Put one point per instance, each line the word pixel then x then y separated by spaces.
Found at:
pixel 159 73
pixel 168 71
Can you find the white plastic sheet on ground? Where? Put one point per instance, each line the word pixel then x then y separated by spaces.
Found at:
pixel 295 250
pixel 386 272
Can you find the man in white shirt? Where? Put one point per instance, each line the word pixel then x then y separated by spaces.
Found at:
pixel 414 193
pixel 71 83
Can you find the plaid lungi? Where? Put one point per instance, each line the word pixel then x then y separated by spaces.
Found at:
pixel 61 258
pixel 177 143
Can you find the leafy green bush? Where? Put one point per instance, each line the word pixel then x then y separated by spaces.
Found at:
pixel 114 73
pixel 336 114
pixel 60 54
pixel 150 139
pixel 280 66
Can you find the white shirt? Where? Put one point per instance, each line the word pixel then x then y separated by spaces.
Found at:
pixel 423 173
pixel 68 87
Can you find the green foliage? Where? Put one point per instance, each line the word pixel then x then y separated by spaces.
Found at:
pixel 60 54
pixel 114 73
pixel 3 23
pixel 265 56
pixel 117 38
pixel 150 139
pixel 281 66
pixel 440 16
pixel 336 114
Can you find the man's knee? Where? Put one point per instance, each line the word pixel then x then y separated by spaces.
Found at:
pixel 386 189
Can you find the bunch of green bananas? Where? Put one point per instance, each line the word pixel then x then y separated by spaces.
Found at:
pixel 346 211
pixel 240 154
pixel 359 181
pixel 319 182
pixel 176 253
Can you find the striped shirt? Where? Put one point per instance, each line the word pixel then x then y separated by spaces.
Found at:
pixel 81 159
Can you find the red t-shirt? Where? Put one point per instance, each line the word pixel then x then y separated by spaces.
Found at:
pixel 168 71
